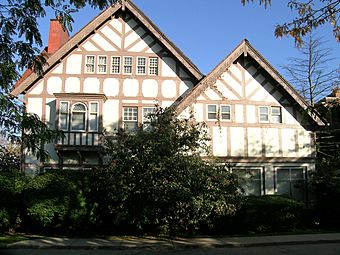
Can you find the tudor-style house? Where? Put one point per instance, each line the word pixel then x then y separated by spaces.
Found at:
pixel 113 72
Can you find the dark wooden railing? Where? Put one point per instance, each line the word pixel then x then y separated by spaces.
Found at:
pixel 77 138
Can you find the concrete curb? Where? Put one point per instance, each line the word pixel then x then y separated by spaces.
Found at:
pixel 193 243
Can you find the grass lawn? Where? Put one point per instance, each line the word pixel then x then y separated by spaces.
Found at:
pixel 8 238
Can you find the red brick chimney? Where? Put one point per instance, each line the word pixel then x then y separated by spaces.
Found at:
pixel 57 37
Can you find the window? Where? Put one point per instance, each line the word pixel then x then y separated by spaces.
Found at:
pixel 130 118
pixel 222 112
pixel 153 66
pixel 290 181
pixel 127 65
pixel 225 112
pixel 146 112
pixel 141 65
pixel 90 64
pixel 115 65
pixel 93 116
pixel 63 115
pixel 264 114
pixel 212 112
pixel 276 114
pixel 78 119
pixel 102 64
pixel 270 114
pixel 251 180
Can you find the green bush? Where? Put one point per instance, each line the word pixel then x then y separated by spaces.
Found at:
pixel 11 186
pixel 265 214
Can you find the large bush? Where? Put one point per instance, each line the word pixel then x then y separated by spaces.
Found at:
pixel 159 182
pixel 326 184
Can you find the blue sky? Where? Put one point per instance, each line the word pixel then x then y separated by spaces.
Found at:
pixel 207 31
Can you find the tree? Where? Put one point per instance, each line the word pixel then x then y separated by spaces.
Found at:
pixel 159 182
pixel 20 43
pixel 311 73
pixel 310 15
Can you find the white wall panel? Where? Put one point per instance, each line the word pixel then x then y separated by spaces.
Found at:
pixel 54 85
pixel 111 87
pixel 239 118
pixel 271 140
pixel 219 141
pixel 73 64
pixel 130 87
pixel 168 67
pixel 37 89
pixel 34 105
pixel 72 85
pixel 103 43
pixel 237 141
pixel 288 144
pixel 111 115
pixel 169 88
pixel 91 85
pixel 254 142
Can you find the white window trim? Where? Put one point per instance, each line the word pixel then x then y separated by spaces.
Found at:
pixel 220 113
pixel 123 65
pixel 149 66
pixel 259 114
pixel 89 114
pixel 119 66
pixel 94 63
pixel 68 115
pixel 207 108
pixel 98 64
pixel 146 69
pixel 86 118
pixel 271 114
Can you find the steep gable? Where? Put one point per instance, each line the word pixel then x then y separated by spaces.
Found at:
pixel 106 33
pixel 260 82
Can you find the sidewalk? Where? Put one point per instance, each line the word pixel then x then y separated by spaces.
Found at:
pixel 119 243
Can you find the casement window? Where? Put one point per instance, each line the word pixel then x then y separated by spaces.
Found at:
pixel 276 116
pixel 290 181
pixel 93 116
pixel 90 62
pixel 130 118
pixel 225 112
pixel 264 113
pixel 127 65
pixel 102 64
pixel 250 179
pixel 212 111
pixel 222 112
pixel 78 117
pixel 271 114
pixel 115 65
pixel 146 113
pixel 63 115
pixel 153 66
pixel 141 65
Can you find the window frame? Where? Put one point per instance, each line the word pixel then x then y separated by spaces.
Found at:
pixel 126 120
pixel 119 64
pixel 99 64
pixel 85 121
pixel 210 112
pixel 87 64
pixel 91 113
pixel 262 179
pixel 153 67
pixel 138 65
pixel 67 116
pixel 291 187
pixel 124 65
pixel 221 113
pixel 272 115
pixel 268 114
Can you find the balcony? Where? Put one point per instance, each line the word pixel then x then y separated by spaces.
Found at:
pixel 79 141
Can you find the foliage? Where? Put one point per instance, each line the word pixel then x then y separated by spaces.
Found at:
pixel 20 44
pixel 310 72
pixel 159 183
pixel 326 182
pixel 310 15
pixel 11 186
pixel 266 214
pixel 9 157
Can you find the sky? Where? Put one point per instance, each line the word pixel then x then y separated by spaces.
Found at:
pixel 207 31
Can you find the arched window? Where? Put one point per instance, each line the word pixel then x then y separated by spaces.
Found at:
pixel 78 119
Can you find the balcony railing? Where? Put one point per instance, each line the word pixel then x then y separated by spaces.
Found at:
pixel 74 138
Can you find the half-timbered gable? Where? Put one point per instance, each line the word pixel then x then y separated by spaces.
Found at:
pixel 256 120
pixel 107 76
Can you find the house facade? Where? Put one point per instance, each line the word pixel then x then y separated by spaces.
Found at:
pixel 112 73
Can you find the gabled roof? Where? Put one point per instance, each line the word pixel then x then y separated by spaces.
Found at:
pixel 78 38
pixel 246 49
